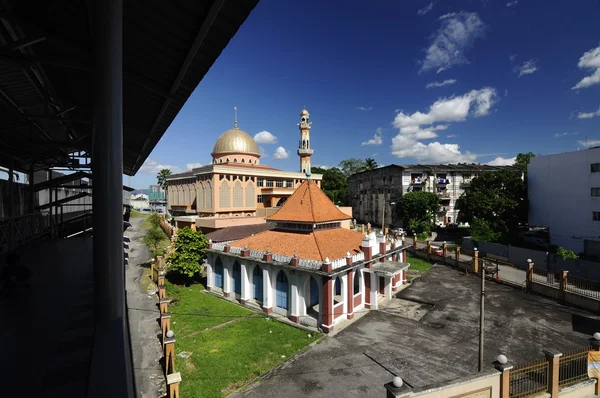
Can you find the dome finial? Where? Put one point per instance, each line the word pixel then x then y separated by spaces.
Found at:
pixel 235 124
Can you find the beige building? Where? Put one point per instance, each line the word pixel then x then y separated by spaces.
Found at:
pixel 236 189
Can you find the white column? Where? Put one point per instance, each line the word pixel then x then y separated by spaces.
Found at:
pixel 293 281
pixel 246 290
pixel 374 290
pixel 345 293
pixel 226 280
pixel 388 287
pixel 209 273
pixel 267 289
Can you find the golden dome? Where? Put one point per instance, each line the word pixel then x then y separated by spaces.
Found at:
pixel 304 112
pixel 235 141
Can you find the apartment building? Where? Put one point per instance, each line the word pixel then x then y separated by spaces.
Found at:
pixel 372 193
pixel 564 196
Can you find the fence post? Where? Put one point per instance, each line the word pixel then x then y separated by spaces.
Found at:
pixel 475 260
pixel 553 358
pixel 169 352
pixel 457 257
pixel 429 250
pixel 445 251
pixel 173 381
pixel 504 376
pixel 595 344
pixel 563 284
pixel 415 239
pixel 397 389
pixel 529 280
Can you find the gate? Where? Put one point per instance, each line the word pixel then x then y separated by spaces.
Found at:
pixel 219 274
pixel 281 296
pixel 257 279
pixel 314 292
pixel 237 278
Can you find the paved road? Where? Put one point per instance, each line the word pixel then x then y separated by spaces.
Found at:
pixel 143 315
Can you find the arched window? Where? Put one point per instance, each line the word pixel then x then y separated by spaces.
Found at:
pixel 314 292
pixel 225 196
pixel 237 278
pixel 220 160
pixel 243 160
pixel 227 160
pixel 337 291
pixel 281 294
pixel 234 160
pixel 238 195
pixel 219 273
pixel 357 277
pixel 257 279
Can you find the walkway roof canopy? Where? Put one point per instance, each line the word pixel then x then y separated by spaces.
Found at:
pixel 46 73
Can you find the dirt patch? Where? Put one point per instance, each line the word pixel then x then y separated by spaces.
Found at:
pixel 406 309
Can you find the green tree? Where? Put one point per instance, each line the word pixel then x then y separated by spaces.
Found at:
pixel 161 178
pixel 334 184
pixel 417 210
pixel 190 252
pixel 352 166
pixel 523 160
pixel 500 199
pixel 482 232
pixel 370 164
pixel 154 220
pixel 563 253
pixel 152 238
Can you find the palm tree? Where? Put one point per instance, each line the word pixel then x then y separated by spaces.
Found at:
pixel 370 164
pixel 162 178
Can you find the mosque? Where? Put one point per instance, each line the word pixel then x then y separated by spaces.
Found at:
pixel 308 268
pixel 235 189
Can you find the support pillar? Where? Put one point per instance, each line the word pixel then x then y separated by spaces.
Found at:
pixel 267 292
pixel 294 299
pixel 245 293
pixel 31 190
pixel 595 346
pixel 504 379
pixel 475 260
pixel 367 294
pixel 112 349
pixel 327 310
pixel 563 284
pixel 529 276
pixel 457 258
pixel 350 297
pixel 374 289
pixel 226 282
pixel 553 358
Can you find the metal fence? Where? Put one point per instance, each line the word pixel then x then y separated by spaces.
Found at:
pixel 529 378
pixel 573 367
pixel 545 277
pixel 582 286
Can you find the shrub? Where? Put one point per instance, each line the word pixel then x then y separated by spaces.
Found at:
pixel 190 252
pixel 152 238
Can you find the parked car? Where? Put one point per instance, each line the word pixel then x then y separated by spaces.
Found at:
pixel 399 231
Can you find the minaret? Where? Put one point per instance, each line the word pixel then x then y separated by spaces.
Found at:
pixel 304 150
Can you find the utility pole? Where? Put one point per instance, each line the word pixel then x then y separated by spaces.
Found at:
pixel 481 316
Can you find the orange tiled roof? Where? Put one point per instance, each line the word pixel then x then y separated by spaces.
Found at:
pixel 317 245
pixel 308 204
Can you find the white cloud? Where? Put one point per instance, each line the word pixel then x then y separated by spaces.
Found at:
pixel 558 135
pixel 512 57
pixel 452 40
pixel 191 166
pixel 500 161
pixel 426 9
pixel 589 60
pixel 589 143
pixel 527 68
pixel 588 115
pixel 322 166
pixel 435 153
pixel 454 109
pixel 152 167
pixel 281 153
pixel 512 3
pixel 264 137
pixel 506 92
pixel 263 153
pixel 441 84
pixel 362 108
pixel 376 140
pixel 451 136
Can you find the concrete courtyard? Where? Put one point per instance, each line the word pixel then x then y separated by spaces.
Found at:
pixel 442 345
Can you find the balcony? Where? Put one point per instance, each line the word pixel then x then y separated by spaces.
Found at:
pixel 466 182
pixel 418 180
pixel 443 181
pixel 444 195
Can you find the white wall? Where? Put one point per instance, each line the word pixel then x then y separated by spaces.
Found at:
pixel 560 197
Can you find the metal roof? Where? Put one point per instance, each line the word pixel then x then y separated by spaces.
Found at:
pixel 46 73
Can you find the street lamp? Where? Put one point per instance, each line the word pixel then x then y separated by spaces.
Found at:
pixel 383 216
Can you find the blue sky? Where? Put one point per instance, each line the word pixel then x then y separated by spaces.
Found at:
pixel 401 81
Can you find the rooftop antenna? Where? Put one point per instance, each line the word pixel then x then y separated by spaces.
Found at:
pixel 235 117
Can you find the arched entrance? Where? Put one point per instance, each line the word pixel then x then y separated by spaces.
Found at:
pixel 281 290
pixel 337 291
pixel 257 279
pixel 237 278
pixel 219 273
pixel 314 292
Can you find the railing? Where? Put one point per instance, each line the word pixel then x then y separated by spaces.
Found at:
pixel 338 263
pixel 256 254
pixel 218 246
pixel 544 277
pixel 235 250
pixel 312 264
pixel 584 287
pixel 573 367
pixel 529 378
pixel 16 231
pixel 443 194
pixel 281 258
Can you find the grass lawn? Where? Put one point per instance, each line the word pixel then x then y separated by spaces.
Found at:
pixel 226 358
pixel 135 213
pixel 416 264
